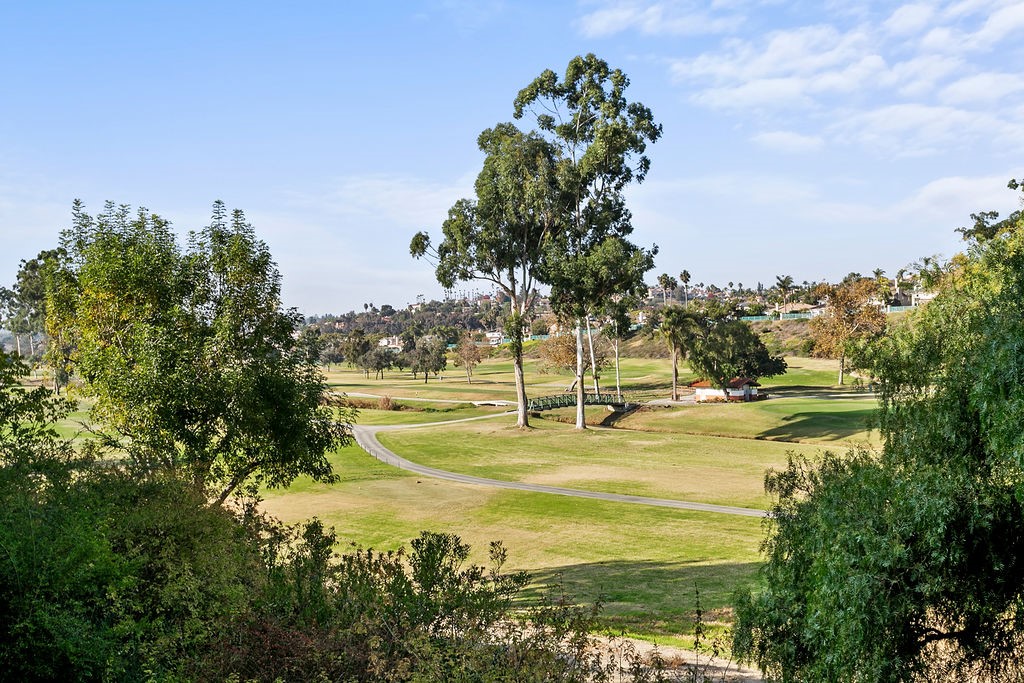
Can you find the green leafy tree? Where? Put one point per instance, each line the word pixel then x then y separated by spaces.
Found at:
pixel 678 329
pixel 600 138
pixel 429 356
pixel 987 224
pixel 379 359
pixel 909 565
pixel 501 236
pixel 189 357
pixel 356 345
pixel 333 349
pixel 721 347
pixel 25 303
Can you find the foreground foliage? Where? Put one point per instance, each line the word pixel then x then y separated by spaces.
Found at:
pixel 192 362
pixel 910 565
pixel 104 576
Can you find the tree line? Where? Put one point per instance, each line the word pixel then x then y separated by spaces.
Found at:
pixel 908 564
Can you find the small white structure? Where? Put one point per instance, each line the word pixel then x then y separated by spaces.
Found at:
pixel 391 343
pixel 740 389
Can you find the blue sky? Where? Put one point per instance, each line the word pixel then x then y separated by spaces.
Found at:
pixel 801 138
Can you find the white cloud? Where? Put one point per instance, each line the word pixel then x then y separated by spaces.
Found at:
pixel 999 25
pixel 918 77
pixel 770 92
pixel 982 89
pixel 788 141
pixel 913 129
pixel 957 197
pixel 909 19
pixel 655 18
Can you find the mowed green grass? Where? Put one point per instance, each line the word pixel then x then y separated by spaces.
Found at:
pixel 641 378
pixel 414 413
pixel 641 562
pixel 717 470
pixel 842 422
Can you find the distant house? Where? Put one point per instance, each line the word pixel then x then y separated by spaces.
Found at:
pixel 391 343
pixel 793 307
pixel 740 389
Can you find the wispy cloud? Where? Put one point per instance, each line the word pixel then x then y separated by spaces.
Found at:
pixel 398 201
pixel 659 18
pixel 906 82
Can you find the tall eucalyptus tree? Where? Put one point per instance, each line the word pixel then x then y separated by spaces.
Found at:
pixel 501 236
pixel 600 138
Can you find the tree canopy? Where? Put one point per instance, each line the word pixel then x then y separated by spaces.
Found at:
pixel 190 359
pixel 501 236
pixel 852 312
pixel 909 564
pixel 601 139
pixel 678 328
pixel 721 347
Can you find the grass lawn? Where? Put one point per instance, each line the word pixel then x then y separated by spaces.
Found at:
pixel 717 470
pixel 641 562
pixel 415 413
pixel 805 420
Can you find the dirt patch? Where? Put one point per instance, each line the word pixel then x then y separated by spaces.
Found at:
pixel 681 664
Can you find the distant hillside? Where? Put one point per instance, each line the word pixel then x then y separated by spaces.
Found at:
pixel 788 337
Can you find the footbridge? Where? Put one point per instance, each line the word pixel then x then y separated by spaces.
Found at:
pixel 566 400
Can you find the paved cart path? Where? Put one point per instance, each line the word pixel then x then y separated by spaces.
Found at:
pixel 366 437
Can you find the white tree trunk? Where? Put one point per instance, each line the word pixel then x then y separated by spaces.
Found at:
pixel 581 416
pixel 593 357
pixel 618 379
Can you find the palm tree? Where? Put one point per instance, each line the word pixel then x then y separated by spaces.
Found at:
pixel 684 278
pixel 676 329
pixel 667 284
pixel 784 283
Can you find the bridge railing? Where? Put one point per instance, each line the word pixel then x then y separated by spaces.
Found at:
pixel 566 400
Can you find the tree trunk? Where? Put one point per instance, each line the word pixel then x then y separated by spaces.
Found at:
pixel 17 341
pixel 842 366
pixel 618 379
pixel 675 374
pixel 581 417
pixel 593 358
pixel 522 416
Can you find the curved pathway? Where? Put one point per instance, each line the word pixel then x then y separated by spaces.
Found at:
pixel 366 437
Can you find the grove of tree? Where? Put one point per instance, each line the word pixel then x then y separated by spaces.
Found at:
pixel 909 564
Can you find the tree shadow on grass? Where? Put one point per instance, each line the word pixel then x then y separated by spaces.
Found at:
pixel 821 425
pixel 814 391
pixel 647 596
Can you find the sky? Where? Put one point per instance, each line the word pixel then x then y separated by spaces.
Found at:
pixel 808 139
